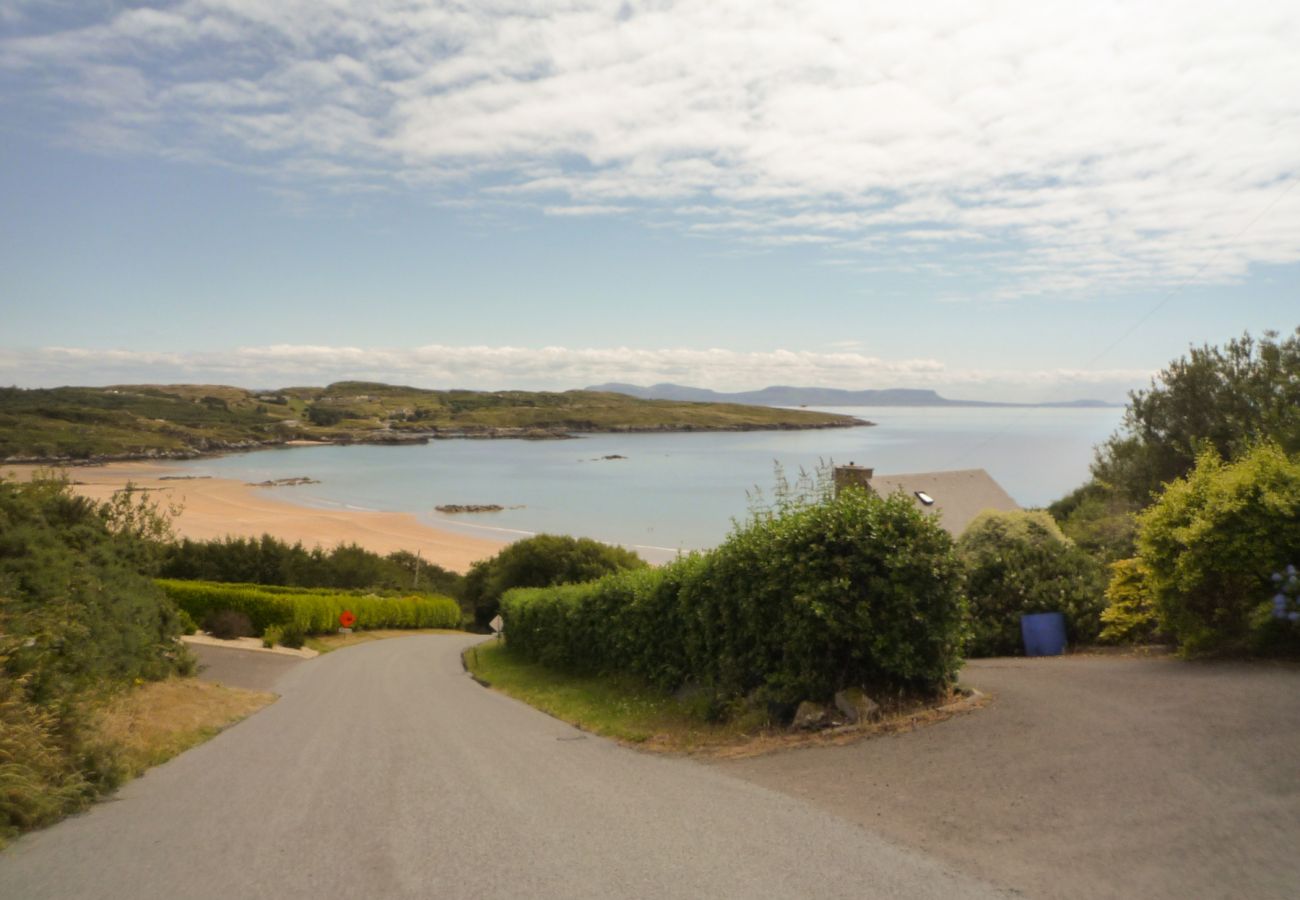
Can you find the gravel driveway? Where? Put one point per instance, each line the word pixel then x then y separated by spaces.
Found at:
pixel 1087 777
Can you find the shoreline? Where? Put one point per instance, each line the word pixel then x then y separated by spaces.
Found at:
pixel 217 507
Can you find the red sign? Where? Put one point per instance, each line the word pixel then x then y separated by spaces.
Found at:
pixel 347 619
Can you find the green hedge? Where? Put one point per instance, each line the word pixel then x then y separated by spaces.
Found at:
pixel 314 611
pixel 857 591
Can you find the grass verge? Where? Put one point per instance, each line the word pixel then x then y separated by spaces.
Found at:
pixel 153 722
pixel 612 706
pixel 324 643
pixel 632 712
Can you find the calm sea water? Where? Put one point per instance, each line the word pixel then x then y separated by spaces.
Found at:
pixel 673 491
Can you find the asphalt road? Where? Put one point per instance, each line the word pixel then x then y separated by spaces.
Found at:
pixel 1087 777
pixel 384 771
pixel 252 670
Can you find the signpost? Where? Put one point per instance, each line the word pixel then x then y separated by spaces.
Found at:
pixel 498 625
pixel 347 619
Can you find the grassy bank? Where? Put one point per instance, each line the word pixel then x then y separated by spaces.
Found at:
pixel 630 711
pixel 617 707
pixel 156 721
pixel 119 736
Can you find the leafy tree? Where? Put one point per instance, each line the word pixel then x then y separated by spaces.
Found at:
pixel 1210 545
pixel 1099 520
pixel 540 561
pixel 1018 563
pixel 1225 398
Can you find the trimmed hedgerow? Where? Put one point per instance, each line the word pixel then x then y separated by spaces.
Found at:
pixel 309 611
pixel 854 591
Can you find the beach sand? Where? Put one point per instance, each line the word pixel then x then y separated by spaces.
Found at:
pixel 216 507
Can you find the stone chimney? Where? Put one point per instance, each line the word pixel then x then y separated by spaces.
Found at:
pixel 852 475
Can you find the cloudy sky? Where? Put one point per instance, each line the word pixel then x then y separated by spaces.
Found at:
pixel 1026 200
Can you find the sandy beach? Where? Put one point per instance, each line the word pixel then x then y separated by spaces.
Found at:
pixel 216 507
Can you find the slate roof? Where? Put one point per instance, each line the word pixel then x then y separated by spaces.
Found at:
pixel 959 496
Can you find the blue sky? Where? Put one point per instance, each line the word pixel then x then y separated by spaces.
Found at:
pixel 997 200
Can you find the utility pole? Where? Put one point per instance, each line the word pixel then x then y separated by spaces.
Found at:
pixel 415 583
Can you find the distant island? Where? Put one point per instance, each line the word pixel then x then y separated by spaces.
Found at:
pixel 92 424
pixel 781 395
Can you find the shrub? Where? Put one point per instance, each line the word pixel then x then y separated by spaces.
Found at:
pixel 228 624
pixel 272 636
pixel 1018 563
pixel 857 590
pixel 78 616
pixel 1130 616
pixel 540 561
pixel 1211 544
pixel 185 623
pixel 1099 520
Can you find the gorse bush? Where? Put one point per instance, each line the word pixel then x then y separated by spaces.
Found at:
pixel 1210 545
pixel 78 616
pixel 1018 563
pixel 854 591
pixel 297 611
pixel 540 561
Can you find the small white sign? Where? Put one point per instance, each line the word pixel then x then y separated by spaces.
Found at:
pixel 498 624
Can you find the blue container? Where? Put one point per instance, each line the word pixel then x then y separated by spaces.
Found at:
pixel 1044 634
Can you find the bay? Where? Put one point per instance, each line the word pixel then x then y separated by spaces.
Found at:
pixel 673 492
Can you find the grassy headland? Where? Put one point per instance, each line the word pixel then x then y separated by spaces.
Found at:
pixel 179 421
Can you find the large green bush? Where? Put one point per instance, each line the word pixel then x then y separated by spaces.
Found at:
pixel 313 611
pixel 1210 545
pixel 78 616
pixel 855 591
pixel 540 561
pixel 1018 563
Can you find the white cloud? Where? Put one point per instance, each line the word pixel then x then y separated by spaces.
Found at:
pixel 545 368
pixel 1095 145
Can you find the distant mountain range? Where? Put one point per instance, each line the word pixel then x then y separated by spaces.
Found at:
pixel 781 395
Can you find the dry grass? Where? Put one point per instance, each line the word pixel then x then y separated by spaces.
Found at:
pixel 324 643
pixel 155 721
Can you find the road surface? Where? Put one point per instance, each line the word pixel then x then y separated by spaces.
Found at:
pixel 384 771
pixel 1087 777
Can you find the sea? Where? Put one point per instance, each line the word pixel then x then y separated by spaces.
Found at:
pixel 661 494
